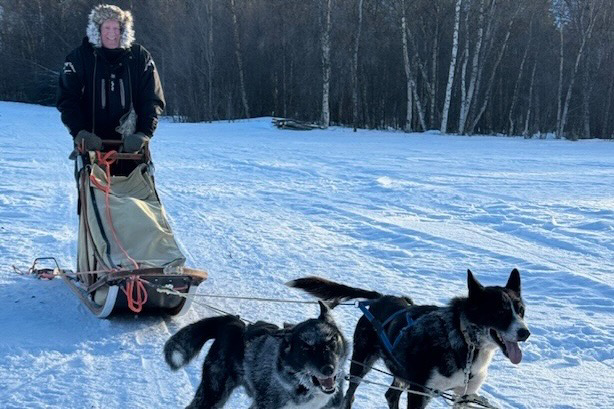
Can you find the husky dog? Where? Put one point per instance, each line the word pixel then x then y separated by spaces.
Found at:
pixel 299 366
pixel 427 348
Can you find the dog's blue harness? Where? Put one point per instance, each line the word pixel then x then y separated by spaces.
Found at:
pixel 380 326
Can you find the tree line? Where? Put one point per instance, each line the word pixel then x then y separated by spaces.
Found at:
pixel 516 67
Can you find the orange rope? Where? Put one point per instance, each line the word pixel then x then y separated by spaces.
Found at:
pixel 134 282
pixel 141 293
pixel 106 160
pixel 134 287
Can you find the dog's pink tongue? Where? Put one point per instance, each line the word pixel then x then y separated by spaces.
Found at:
pixel 327 383
pixel 513 352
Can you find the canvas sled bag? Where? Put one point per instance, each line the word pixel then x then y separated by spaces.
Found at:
pixel 138 223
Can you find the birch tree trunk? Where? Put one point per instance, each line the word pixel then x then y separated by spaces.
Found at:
pixel 446 105
pixel 433 87
pixel 210 56
pixel 487 46
pixel 325 122
pixel 559 109
pixel 418 105
pixel 525 132
pixel 235 25
pixel 409 118
pixel 586 35
pixel 417 61
pixel 412 92
pixel 465 60
pixel 355 68
pixel 409 108
pixel 586 93
pixel 408 77
pixel 466 102
pixel 284 80
pixel 492 77
pixel 510 116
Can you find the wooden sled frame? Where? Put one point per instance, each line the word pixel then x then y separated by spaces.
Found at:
pixel 183 280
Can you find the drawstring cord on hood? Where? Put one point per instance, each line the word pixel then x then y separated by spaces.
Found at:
pixel 130 84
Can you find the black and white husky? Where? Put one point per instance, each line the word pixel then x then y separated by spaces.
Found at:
pixel 430 346
pixel 297 367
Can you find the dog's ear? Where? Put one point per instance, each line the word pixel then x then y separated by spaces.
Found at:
pixel 324 312
pixel 513 283
pixel 473 285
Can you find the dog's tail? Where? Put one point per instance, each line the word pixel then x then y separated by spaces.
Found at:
pixel 330 291
pixel 182 347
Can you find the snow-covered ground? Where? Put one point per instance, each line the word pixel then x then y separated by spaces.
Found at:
pixel 256 206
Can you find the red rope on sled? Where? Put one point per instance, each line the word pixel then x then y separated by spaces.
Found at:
pixel 106 161
pixel 132 283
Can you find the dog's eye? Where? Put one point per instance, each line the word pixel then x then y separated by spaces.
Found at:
pixel 306 346
pixel 518 307
pixel 520 310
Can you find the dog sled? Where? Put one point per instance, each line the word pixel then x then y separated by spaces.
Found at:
pixel 126 250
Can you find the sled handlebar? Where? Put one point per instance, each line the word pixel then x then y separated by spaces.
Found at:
pixel 122 155
pixel 115 142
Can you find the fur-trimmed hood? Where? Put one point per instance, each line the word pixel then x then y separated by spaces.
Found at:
pixel 104 12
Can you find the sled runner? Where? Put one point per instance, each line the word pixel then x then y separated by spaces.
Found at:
pixel 126 249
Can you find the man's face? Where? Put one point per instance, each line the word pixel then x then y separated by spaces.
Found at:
pixel 110 33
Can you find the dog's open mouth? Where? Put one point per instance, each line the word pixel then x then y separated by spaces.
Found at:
pixel 510 349
pixel 328 385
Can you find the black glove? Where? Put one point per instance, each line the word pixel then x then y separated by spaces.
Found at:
pixel 91 141
pixel 135 142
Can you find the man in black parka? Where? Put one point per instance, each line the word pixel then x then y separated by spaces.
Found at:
pixel 109 86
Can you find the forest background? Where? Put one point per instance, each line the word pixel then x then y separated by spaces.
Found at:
pixel 517 67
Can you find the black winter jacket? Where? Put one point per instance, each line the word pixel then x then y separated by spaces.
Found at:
pixel 95 91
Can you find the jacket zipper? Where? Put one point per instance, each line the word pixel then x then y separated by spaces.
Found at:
pixel 122 93
pixel 103 94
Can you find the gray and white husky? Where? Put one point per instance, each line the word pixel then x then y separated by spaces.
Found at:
pixel 430 346
pixel 295 367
